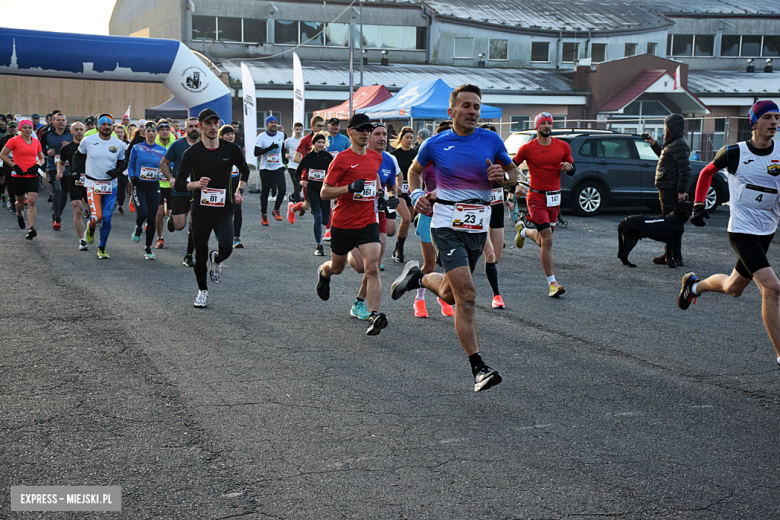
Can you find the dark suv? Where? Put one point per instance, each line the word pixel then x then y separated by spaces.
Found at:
pixel 614 169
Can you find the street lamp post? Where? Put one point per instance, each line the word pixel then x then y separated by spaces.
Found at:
pixel 361 42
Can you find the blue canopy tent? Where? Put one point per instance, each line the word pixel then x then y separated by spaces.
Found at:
pixel 425 99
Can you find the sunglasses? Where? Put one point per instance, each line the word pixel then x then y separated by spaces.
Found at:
pixel 364 128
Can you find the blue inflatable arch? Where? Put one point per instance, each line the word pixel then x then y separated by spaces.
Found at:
pixel 117 58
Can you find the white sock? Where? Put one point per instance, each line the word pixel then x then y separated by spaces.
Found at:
pixel 550 279
pixel 693 289
pixel 420 293
pixel 778 360
pixel 522 233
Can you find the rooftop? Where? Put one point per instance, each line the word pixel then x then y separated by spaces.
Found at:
pixel 714 82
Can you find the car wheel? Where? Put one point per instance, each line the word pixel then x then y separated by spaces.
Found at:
pixel 713 199
pixel 588 199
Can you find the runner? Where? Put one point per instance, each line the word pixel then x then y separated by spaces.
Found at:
pixel 494 245
pixel 72 177
pixel 182 200
pixel 467 160
pixel 228 133
pixel 7 196
pixel 290 145
pixel 122 190
pixel 388 172
pixel 754 181
pixel 337 142
pixel 311 171
pixel 144 174
pixel 165 138
pixel 206 169
pixel 352 180
pixel 545 156
pixel 270 148
pixel 405 155
pixel 304 147
pixel 90 126
pixel 27 165
pixel 52 144
pixel 105 162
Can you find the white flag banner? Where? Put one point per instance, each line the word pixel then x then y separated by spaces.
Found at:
pixel 300 94
pixel 250 113
pixel 127 113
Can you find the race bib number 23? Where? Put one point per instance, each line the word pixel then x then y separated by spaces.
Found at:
pixel 470 217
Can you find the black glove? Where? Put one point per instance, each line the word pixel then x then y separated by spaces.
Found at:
pixel 699 216
pixel 113 173
pixel 18 169
pixel 357 186
pixel 35 169
pixel 392 202
pixel 135 180
pixel 381 203
pixel 273 147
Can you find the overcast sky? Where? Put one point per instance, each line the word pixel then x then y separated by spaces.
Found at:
pixel 74 16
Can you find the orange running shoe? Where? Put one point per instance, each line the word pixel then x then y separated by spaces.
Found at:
pixel 290 213
pixel 131 205
pixel 276 215
pixel 498 302
pixel 446 308
pixel 265 220
pixel 420 311
pixel 326 237
pixel 160 243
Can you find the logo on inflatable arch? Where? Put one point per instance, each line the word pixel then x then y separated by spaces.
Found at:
pixel 194 79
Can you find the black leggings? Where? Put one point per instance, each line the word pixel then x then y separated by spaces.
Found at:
pixel 320 209
pixel 296 182
pixel 238 219
pixel 202 226
pixel 272 178
pixel 147 197
pixel 120 196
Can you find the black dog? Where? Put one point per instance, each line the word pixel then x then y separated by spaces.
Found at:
pixel 668 229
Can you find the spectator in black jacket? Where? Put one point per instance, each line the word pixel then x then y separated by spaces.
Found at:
pixel 673 171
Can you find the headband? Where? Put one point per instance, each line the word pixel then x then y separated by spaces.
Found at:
pixel 163 125
pixel 26 122
pixel 149 124
pixel 405 131
pixel 544 116
pixel 761 108
pixel 105 119
pixel 317 137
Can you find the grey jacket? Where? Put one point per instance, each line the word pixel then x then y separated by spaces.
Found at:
pixel 674 164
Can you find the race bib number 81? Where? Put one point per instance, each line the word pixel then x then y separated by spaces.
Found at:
pixel 212 197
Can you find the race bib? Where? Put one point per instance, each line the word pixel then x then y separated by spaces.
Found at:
pixel 497 196
pixel 102 187
pixel 758 197
pixel 470 217
pixel 368 193
pixel 56 159
pixel 80 180
pixel 274 158
pixel 149 174
pixel 404 188
pixel 212 197
pixel 334 154
pixel 553 198
pixel 317 175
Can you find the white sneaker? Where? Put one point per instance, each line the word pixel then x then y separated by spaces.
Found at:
pixel 200 301
pixel 216 268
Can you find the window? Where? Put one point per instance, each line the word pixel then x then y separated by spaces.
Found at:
pixel 464 48
pixel 729 45
pixel 705 45
pixel 311 33
pixel 422 37
pixel 409 38
pixel 645 151
pixel 204 27
pixel 751 45
pixel 540 52
pixel 682 44
pixel 262 114
pixel 586 150
pixel 337 35
pixel 771 46
pixel 391 37
pixel 613 149
pixel 254 30
pixel 630 49
pixel 559 121
pixel 598 52
pixel 570 52
pixel 519 123
pixel 498 49
pixel 652 48
pixel 306 123
pixel 229 29
pixel 286 32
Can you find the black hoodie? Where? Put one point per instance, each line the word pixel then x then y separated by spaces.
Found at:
pixel 674 164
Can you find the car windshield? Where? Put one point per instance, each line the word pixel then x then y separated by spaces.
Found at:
pixel 515 141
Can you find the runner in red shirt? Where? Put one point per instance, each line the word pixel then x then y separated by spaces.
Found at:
pixel 26 163
pixel 546 157
pixel 353 180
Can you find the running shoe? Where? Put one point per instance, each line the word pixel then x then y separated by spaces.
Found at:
pixel 376 322
pixel 31 233
pixel 276 215
pixel 171 229
pixel 446 308
pixel 485 378
pixel 136 236
pixel 660 260
pixel 201 299
pixel 83 245
pixel 401 284
pixel 498 302
pixel 102 253
pixel 323 285
pixel 148 255
pixel 237 243
pixel 556 290
pixel 160 243
pixel 120 210
pixel 290 213
pixel 326 236
pixel 519 239
pixel 56 224
pixel 89 235
pixel 398 257
pixel 188 262
pixel 381 267
pixel 20 221
pixel 264 219
pixel 320 251
pixel 359 310
pixel 49 200
pixel 686 296
pixel 215 271
pixel 420 311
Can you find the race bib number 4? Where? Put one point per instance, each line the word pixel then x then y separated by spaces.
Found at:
pixel 553 199
pixel 759 197
pixel 470 217
pixel 317 175
pixel 497 196
pixel 368 193
pixel 149 174
pixel 102 187
pixel 212 197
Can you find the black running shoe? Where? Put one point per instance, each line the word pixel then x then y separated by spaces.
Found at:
pixel 171 229
pixel 20 221
pixel 323 286
pixel 319 251
pixel 188 262
pixel 398 257
pixel 686 296
pixel 485 378
pixel 376 322
pixel 31 233
pixel 401 284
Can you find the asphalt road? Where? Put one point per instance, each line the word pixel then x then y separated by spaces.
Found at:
pixel 274 404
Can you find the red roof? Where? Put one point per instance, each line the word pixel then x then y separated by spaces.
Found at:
pixel 633 90
pixel 364 97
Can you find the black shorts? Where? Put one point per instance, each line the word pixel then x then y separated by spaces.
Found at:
pixel 751 250
pixel 165 197
pixel 180 205
pixel 457 248
pixel 76 192
pixel 497 216
pixel 23 185
pixel 342 241
pixel 405 197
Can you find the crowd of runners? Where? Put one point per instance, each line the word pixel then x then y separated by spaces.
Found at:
pixel 450 187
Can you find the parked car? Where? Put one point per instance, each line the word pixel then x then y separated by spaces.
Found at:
pixel 614 169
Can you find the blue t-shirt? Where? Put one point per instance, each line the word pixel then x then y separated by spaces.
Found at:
pixel 388 170
pixel 337 144
pixel 53 140
pixel 174 155
pixel 145 162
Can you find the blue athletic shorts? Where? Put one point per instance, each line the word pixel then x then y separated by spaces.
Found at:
pixel 424 228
